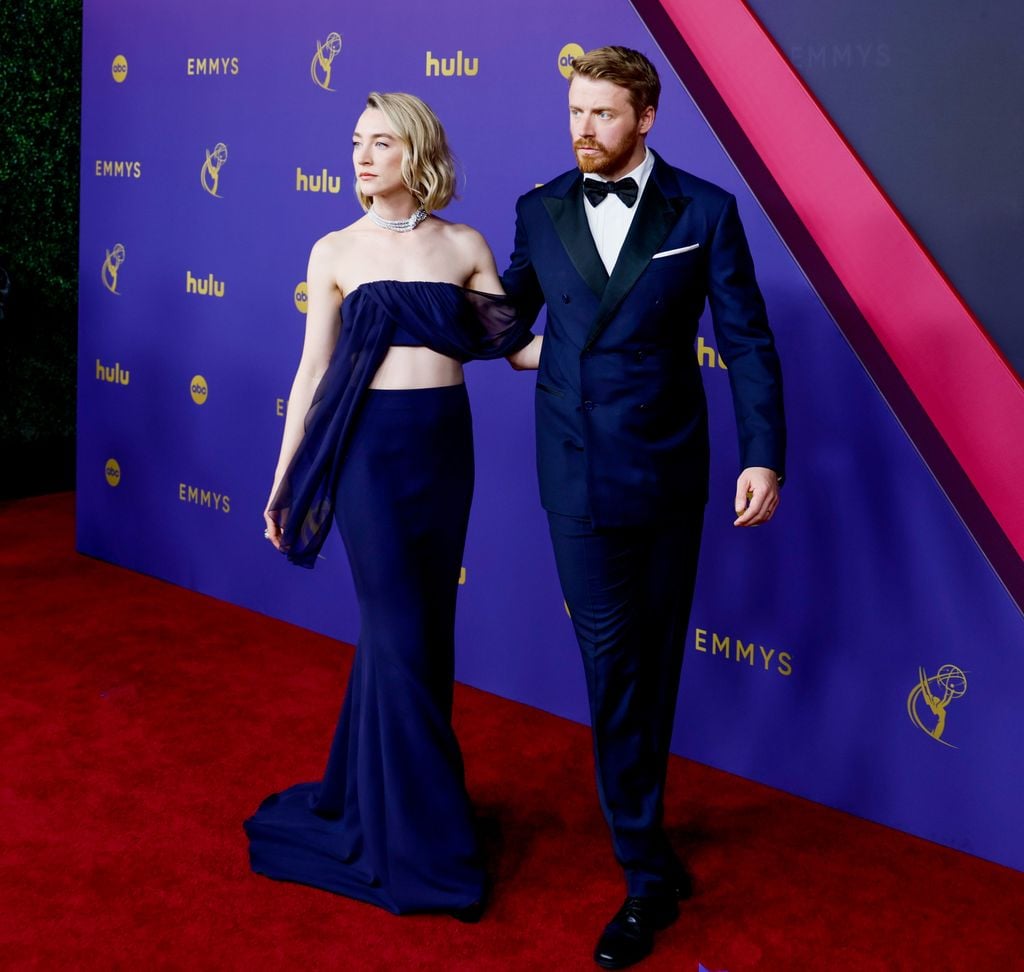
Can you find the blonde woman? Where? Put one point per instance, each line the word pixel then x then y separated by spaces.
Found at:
pixel 378 438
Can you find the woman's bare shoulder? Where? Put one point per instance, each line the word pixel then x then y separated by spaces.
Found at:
pixel 338 246
pixel 460 231
pixel 342 239
pixel 465 238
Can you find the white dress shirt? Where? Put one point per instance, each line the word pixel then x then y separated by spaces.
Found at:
pixel 610 220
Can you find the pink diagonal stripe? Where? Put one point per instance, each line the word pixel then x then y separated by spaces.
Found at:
pixel 972 396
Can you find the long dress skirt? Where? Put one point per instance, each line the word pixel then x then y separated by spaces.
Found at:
pixel 390 822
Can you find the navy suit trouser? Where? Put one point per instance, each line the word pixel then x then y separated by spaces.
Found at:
pixel 629 592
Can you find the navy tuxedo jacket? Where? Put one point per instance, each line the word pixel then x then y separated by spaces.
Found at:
pixel 622 434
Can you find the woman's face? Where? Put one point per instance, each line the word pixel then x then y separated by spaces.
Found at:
pixel 377 155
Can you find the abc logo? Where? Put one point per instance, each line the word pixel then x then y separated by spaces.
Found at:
pixel 199 389
pixel 566 56
pixel 119 68
pixel 301 297
pixel 112 471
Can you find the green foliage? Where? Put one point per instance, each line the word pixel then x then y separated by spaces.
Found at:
pixel 40 98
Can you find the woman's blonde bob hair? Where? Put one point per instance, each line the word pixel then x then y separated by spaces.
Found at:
pixel 428 168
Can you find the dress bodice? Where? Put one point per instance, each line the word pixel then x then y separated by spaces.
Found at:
pixel 401 338
pixel 449 319
pixel 440 315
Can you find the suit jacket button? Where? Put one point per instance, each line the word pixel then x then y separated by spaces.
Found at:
pixel 643 405
pixel 640 355
pixel 589 406
pixel 566 298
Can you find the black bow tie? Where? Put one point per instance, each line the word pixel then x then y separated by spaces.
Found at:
pixel 625 189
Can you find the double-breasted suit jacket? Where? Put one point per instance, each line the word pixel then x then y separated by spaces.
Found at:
pixel 622 436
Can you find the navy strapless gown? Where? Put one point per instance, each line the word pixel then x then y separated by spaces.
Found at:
pixel 391 822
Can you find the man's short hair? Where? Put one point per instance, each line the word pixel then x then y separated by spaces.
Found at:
pixel 626 68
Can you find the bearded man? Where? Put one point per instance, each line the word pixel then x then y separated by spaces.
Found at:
pixel 625 251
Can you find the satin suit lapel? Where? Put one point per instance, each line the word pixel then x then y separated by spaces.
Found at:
pixel 660 207
pixel 570 221
pixel 655 217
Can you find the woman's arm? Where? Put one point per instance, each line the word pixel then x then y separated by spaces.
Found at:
pixel 322 327
pixel 528 358
pixel 485 277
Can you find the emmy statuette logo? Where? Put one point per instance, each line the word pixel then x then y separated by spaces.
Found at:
pixel 323 60
pixel 566 56
pixel 111 267
pixel 199 389
pixel 930 698
pixel 301 297
pixel 209 175
pixel 112 471
pixel 119 69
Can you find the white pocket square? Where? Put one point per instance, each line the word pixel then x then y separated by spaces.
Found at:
pixel 682 249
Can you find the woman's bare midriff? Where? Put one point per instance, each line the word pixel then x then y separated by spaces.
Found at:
pixel 404 367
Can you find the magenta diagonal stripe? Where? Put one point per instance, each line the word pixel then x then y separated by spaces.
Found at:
pixel 967 389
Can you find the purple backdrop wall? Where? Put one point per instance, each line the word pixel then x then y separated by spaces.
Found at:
pixel 809 641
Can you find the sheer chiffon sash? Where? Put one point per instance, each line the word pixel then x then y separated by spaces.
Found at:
pixel 456 322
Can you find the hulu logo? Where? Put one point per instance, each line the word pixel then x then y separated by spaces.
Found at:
pixel 206 286
pixel 452 67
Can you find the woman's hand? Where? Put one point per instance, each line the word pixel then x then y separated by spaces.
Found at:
pixel 273 531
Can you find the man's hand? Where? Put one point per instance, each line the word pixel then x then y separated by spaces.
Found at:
pixel 757 496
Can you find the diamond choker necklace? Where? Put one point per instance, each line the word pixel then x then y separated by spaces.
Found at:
pixel 398 225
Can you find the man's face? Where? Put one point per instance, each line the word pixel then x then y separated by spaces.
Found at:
pixel 607 135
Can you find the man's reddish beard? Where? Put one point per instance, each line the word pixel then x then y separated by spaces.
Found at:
pixel 610 158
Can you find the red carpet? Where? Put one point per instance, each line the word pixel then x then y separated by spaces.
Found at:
pixel 140 723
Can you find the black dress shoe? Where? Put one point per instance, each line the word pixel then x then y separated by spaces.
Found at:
pixel 629 936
